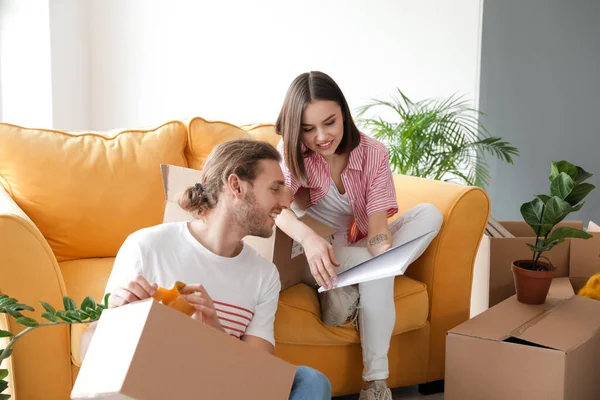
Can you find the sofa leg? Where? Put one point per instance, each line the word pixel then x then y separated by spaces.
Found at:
pixel 431 387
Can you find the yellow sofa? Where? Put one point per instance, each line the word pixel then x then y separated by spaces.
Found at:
pixel 69 199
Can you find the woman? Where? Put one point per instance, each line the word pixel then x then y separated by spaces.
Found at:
pixel 342 177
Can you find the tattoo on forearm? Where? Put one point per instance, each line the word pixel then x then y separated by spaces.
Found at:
pixel 378 239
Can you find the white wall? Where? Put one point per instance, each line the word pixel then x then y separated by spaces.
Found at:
pixel 233 60
pixel 70 57
pixel 25 74
pixel 540 89
pixel 103 64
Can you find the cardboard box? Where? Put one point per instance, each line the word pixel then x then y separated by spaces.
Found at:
pixel 285 253
pixel 492 276
pixel 146 350
pixel 518 351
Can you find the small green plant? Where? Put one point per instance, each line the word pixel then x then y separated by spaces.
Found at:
pixel 545 211
pixel 88 312
pixel 435 139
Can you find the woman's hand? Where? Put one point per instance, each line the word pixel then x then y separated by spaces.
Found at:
pixel 206 313
pixel 321 259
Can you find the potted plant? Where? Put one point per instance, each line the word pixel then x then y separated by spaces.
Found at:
pixel 89 312
pixel 567 190
pixel 434 139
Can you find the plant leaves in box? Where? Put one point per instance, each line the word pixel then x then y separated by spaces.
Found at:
pixel 30 322
pixel 63 315
pixel 5 334
pixel 69 303
pixel 74 316
pixel 3 385
pixel 3 373
pixel 13 313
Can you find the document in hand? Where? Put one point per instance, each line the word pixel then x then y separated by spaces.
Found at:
pixel 392 262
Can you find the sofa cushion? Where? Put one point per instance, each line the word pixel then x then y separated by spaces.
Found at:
pixel 87 191
pixel 204 135
pixel 264 132
pixel 298 319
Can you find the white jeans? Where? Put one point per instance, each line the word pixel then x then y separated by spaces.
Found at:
pixel 377 313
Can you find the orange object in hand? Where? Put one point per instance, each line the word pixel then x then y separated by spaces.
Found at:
pixel 173 298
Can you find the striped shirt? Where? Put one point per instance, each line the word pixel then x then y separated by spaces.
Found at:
pixel 233 319
pixel 367 179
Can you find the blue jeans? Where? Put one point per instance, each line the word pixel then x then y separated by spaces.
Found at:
pixel 310 384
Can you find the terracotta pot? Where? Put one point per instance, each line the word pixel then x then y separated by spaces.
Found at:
pixel 531 286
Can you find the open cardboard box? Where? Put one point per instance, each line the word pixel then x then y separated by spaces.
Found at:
pixel 492 277
pixel 519 351
pixel 146 350
pixel 287 255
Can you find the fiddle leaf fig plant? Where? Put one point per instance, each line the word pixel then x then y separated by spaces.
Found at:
pixel 89 311
pixel 545 211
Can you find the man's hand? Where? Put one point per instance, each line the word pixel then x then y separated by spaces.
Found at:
pixel 197 296
pixel 136 290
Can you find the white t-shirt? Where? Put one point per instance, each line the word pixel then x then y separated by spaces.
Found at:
pixel 244 289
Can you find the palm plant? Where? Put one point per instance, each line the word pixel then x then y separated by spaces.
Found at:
pixel 436 139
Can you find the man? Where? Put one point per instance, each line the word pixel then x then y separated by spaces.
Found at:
pixel 231 287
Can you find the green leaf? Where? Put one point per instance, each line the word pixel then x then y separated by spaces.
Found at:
pixel 3 385
pixel 106 296
pixel 562 186
pixel 83 315
pixel 5 334
pixel 532 214
pixel 563 166
pixel 566 232
pixel 543 197
pixel 3 373
pixel 62 315
pixel 69 303
pixel 13 313
pixel 556 210
pixel 49 316
pixel 7 301
pixel 74 315
pixel 582 175
pixel 579 193
pixel 27 321
pixel 21 307
pixel 48 307
pixel 88 302
pixel 4 396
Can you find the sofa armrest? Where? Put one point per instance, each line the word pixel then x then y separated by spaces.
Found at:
pixel 446 267
pixel 29 272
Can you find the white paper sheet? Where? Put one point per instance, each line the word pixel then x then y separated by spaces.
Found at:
pixel 393 262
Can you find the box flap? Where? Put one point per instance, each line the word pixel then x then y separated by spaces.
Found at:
pixel 500 321
pixel 584 258
pixel 521 229
pixel 564 327
pixel 561 288
pixel 593 227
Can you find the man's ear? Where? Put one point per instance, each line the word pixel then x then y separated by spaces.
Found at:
pixel 235 185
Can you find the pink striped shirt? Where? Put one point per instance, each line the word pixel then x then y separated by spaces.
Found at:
pixel 367 179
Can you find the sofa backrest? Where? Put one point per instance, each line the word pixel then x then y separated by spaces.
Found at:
pixel 87 191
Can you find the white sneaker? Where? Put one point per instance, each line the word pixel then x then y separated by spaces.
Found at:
pixel 378 390
pixel 337 305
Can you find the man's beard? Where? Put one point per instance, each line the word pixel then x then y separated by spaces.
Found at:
pixel 251 219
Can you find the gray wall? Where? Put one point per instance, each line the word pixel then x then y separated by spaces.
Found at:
pixel 540 89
